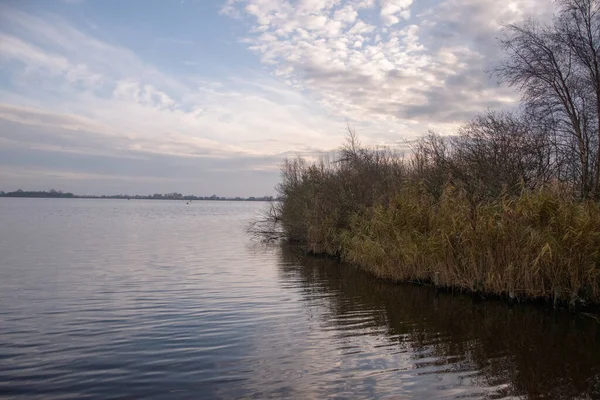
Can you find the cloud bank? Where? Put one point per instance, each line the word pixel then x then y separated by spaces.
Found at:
pixel 86 114
pixel 388 60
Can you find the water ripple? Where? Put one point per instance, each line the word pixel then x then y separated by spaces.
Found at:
pixel 150 299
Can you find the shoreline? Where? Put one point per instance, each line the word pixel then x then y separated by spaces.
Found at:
pixel 591 310
pixel 124 198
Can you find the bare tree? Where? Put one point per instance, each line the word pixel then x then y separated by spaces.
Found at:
pixel 502 152
pixel 557 68
pixel 578 27
pixel 494 153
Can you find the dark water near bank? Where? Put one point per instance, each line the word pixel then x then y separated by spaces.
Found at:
pixel 149 299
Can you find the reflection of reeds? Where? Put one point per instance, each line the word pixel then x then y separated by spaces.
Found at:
pixel 538 353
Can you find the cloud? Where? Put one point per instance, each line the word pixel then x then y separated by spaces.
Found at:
pixel 110 85
pixel 393 11
pixel 409 64
pixel 65 153
pixel 80 105
pixel 71 94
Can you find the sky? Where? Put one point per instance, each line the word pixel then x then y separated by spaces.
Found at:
pixel 209 96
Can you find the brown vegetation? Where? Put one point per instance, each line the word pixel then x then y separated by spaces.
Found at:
pixel 507 206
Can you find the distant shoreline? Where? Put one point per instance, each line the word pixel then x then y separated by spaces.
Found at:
pixel 20 194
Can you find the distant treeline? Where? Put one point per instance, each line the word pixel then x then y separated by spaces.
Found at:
pixel 50 193
pixel 509 205
pixel 157 196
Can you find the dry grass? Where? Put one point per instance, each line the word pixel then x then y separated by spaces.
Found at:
pixel 537 245
pixel 376 211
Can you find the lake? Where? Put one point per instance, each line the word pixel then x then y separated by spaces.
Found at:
pixel 161 299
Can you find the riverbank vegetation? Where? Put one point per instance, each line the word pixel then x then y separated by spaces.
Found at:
pixel 509 205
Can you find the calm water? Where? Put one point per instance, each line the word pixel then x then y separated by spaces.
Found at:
pixel 149 299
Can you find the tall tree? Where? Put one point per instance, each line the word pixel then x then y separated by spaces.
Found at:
pixel 557 69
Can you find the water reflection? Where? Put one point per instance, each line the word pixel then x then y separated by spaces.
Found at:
pixel 486 349
pixel 153 299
